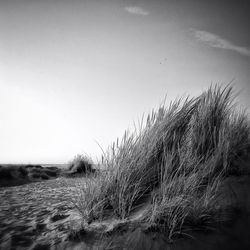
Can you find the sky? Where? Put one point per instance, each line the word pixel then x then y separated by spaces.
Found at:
pixel 75 74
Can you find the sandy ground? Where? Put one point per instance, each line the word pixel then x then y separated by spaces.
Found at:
pixel 42 215
pixel 38 214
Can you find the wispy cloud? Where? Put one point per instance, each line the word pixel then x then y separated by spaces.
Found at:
pixel 136 10
pixel 218 42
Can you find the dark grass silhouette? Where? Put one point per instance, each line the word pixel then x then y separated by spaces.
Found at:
pixel 12 175
pixel 174 164
pixel 12 171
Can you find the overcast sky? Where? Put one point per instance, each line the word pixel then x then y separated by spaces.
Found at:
pixel 76 72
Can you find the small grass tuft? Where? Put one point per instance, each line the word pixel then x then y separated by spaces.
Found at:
pixel 81 164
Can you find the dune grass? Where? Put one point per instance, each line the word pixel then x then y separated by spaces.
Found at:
pixel 81 164
pixel 174 162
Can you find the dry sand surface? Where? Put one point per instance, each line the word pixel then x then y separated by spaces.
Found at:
pixel 37 214
pixel 41 216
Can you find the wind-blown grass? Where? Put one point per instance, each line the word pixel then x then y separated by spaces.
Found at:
pixel 176 162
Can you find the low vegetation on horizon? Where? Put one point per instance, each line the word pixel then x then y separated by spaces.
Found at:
pixel 19 174
pixel 173 164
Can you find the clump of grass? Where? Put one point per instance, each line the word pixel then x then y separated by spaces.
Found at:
pixel 176 162
pixel 81 164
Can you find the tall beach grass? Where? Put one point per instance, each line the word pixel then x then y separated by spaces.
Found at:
pixel 174 163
